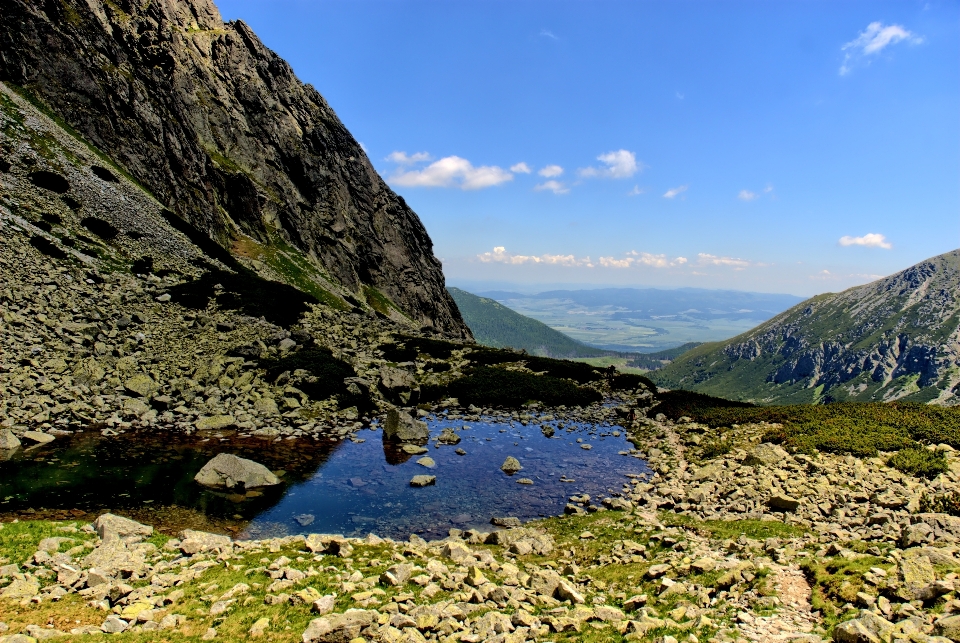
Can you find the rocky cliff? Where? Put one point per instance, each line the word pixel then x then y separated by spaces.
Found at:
pixel 222 132
pixel 895 338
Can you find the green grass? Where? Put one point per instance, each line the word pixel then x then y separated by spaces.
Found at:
pixel 299 272
pixel 733 529
pixel 19 540
pixel 835 582
pixel 380 302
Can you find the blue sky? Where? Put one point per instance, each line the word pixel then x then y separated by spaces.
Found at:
pixel 796 147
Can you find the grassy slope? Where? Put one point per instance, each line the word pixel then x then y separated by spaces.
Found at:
pixel 859 318
pixel 495 325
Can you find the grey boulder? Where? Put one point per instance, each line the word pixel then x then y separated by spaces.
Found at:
pixel 38 436
pixel 229 471
pixel 401 426
pixel 8 441
pixel 110 524
pixel 767 454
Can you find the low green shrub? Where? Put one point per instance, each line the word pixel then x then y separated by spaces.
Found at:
pixel 679 403
pixel 579 372
pixel 857 428
pixel 630 381
pixel 946 503
pixel 491 386
pixel 714 448
pixel 399 353
pixel 919 462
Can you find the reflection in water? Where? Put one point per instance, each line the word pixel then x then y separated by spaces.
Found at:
pixel 348 487
pixel 360 491
pixel 90 472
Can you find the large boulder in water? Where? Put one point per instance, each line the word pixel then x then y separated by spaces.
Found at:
pixel 401 426
pixel 510 466
pixel 226 470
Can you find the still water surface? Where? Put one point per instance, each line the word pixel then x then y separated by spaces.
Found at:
pixel 330 486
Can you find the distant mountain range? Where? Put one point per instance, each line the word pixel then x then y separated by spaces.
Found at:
pixel 493 324
pixel 651 303
pixel 897 338
pixel 646 319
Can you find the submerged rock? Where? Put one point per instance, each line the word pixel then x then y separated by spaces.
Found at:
pixel 422 481
pixel 448 436
pixel 227 470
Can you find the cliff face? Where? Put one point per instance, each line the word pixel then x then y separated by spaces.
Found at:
pixel 895 338
pixel 219 128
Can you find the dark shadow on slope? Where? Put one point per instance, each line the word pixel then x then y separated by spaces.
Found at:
pixel 326 375
pixel 246 292
pixel 50 181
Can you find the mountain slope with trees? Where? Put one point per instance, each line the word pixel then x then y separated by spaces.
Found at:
pixel 495 325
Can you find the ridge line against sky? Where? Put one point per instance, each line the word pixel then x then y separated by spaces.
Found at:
pixel 788 147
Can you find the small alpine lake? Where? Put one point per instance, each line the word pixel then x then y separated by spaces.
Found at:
pixel 352 486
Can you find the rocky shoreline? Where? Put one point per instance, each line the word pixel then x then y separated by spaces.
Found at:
pixel 754 545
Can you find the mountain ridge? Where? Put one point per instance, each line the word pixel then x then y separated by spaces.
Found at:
pixel 222 133
pixel 895 338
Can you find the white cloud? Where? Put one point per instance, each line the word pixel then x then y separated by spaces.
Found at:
pixel 500 255
pixel 636 191
pixel 520 168
pixel 551 171
pixel 873 40
pixel 749 195
pixel 672 192
pixel 635 258
pixel 557 187
pixel 705 259
pixel 546 33
pixel 621 164
pixel 453 171
pixel 870 240
pixel 402 158
pixel 680 96
pixel 363 147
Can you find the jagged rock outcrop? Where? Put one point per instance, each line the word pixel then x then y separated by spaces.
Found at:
pixel 895 338
pixel 219 128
